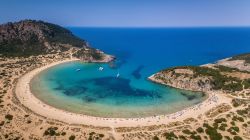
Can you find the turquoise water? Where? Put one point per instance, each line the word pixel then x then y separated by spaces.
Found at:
pixel 140 53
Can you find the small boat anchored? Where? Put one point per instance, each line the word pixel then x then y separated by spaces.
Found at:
pixel 117 75
pixel 101 68
pixel 78 70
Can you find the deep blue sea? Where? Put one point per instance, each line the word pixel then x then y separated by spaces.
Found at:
pixel 140 52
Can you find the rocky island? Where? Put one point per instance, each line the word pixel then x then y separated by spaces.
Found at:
pixel 28 47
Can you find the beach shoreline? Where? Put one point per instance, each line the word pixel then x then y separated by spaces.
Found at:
pixel 26 98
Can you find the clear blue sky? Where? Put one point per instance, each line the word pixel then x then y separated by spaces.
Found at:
pixel 129 13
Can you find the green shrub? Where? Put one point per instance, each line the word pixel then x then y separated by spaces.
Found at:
pixel 2 123
pixel 232 123
pixel 101 135
pixel 220 120
pixel 227 138
pixel 240 119
pixel 212 132
pixel 246 83
pixel 236 102
pixel 186 131
pixel 181 137
pixel 63 133
pixel 233 130
pixel 244 125
pixel 223 127
pixel 215 125
pixel 236 129
pixel 237 138
pixel 236 118
pixel 195 137
pixel 200 130
pixel 170 136
pixel 9 117
pixel 242 112
pixel 51 131
pixel 155 138
pixel 72 137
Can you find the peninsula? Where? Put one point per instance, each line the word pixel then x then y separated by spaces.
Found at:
pixel 229 77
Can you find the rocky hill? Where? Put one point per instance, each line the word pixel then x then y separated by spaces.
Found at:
pixel 224 76
pixel 30 37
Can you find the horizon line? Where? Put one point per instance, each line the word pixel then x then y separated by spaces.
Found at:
pixel 170 26
pixel 248 26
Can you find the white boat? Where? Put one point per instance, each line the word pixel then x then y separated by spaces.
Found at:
pixel 78 70
pixel 117 75
pixel 101 68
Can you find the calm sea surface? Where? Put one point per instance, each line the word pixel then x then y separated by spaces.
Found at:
pixel 140 53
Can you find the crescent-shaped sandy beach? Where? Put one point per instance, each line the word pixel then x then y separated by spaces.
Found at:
pixel 26 98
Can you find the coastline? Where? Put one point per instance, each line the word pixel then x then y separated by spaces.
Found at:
pixel 219 111
pixel 27 99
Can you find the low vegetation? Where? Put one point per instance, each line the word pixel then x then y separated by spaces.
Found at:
pixel 72 137
pixel 170 136
pixel 217 79
pixel 52 131
pixel 9 117
pixel 89 53
pixel 212 132
pixel 31 37
pixel 245 57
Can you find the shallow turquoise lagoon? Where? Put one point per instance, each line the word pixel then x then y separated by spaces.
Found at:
pixel 140 53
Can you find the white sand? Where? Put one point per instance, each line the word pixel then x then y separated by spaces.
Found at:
pixel 25 96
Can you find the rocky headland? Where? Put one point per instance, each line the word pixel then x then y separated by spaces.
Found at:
pixel 231 75
pixel 30 37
